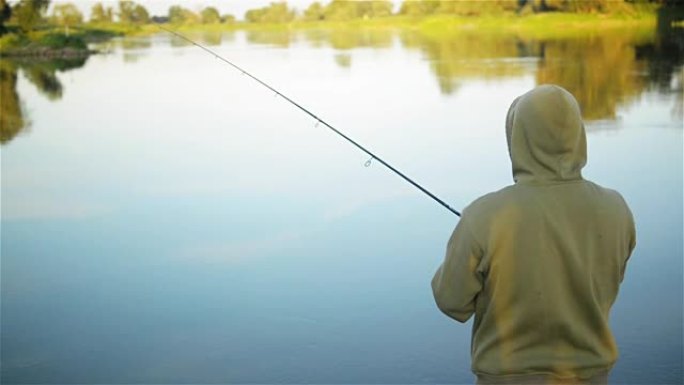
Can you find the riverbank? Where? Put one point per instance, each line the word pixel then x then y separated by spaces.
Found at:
pixel 54 42
pixel 531 25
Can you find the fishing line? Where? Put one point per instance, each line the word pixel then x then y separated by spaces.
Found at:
pixel 318 120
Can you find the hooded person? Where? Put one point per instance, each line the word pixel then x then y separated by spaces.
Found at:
pixel 539 263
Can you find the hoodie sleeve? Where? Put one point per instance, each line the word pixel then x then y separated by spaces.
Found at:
pixel 631 228
pixel 457 282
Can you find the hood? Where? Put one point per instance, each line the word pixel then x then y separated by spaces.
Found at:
pixel 546 138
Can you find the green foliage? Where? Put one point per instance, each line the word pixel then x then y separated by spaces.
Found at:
pixel 101 14
pixel 180 15
pixel 340 10
pixel 494 7
pixel 381 9
pixel 419 7
pixel 273 13
pixel 210 15
pixel 140 15
pixel 459 7
pixel 314 12
pixel 349 10
pixel 589 5
pixel 132 13
pixel 228 19
pixel 581 6
pixel 10 41
pixel 5 14
pixel 60 41
pixel 66 15
pixel 29 13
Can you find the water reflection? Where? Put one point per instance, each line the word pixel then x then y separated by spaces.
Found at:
pixel 349 38
pixel 603 70
pixel 343 60
pixel 457 57
pixel 666 53
pixel 178 42
pixel 664 58
pixel 43 75
pixel 11 119
pixel 131 44
pixel 275 38
pixel 212 38
pixel 341 38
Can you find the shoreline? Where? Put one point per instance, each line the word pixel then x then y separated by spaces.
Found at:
pixel 47 53
pixel 538 26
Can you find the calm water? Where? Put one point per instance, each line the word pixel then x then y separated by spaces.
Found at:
pixel 167 220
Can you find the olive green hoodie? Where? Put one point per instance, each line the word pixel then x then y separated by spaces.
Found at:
pixel 539 263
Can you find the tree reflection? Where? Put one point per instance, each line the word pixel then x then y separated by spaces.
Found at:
pixel 665 57
pixel 212 38
pixel 11 117
pixel 456 57
pixel 42 74
pixel 276 37
pixel 350 38
pixel 178 42
pixel 601 71
pixel 343 60
pixel 666 53
pixel 604 68
pixel 342 38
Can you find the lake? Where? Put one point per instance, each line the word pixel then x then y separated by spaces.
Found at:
pixel 166 219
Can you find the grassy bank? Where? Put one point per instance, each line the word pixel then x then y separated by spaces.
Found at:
pixel 54 41
pixel 538 26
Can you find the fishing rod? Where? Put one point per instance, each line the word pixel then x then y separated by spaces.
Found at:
pixel 318 120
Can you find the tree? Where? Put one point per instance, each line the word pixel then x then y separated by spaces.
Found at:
pixel 273 13
pixel 349 10
pixel 132 13
pixel 210 15
pixel 419 8
pixel 180 15
pixel 5 14
pixel 140 15
pixel 341 10
pixel 314 12
pixel 67 15
pixel 126 11
pixel 581 6
pixel 591 5
pixel 29 13
pixel 381 8
pixel 100 14
pixel 228 19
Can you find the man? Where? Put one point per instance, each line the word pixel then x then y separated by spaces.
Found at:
pixel 539 263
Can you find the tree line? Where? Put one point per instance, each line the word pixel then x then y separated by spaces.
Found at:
pixel 26 14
